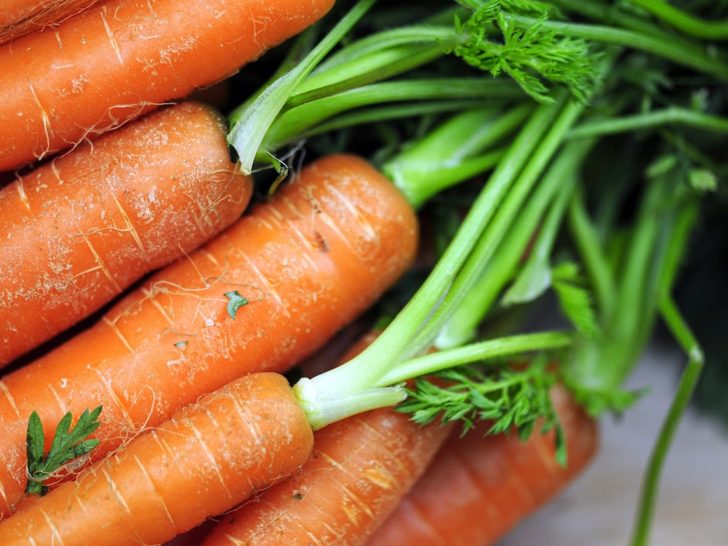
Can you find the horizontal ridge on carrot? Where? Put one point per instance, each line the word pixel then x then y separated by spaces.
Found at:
pixel 81 229
pixel 121 58
pixel 479 487
pixel 21 17
pixel 209 457
pixel 360 468
pixel 320 252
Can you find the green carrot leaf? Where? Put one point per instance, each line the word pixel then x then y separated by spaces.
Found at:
pixel 575 299
pixel 531 56
pixel 512 400
pixel 68 444
pixel 235 302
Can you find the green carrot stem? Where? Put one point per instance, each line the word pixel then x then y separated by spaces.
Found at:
pixel 247 135
pixel 476 352
pixel 499 227
pixel 365 369
pixel 453 152
pixel 376 66
pixel 296 121
pixel 590 247
pixel 650 120
pixel 611 14
pixel 324 406
pixel 689 378
pixel 685 22
pixel 463 323
pixel 676 51
pixel 376 114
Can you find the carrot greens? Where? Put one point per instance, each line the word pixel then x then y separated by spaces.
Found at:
pixel 68 444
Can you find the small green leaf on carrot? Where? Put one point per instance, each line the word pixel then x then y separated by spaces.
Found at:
pixel 68 444
pixel 235 302
pixel 181 344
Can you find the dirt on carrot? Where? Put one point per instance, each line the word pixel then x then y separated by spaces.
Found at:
pixel 306 263
pixel 122 58
pixel 84 227
pixel 21 17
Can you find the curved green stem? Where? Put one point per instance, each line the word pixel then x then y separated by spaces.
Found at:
pixel 687 23
pixel 648 496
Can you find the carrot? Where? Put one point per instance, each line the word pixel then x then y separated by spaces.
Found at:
pixel 103 216
pixel 124 57
pixel 308 261
pixel 21 17
pixel 206 459
pixel 360 469
pixel 478 488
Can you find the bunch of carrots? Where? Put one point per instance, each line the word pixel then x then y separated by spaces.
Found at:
pixel 146 316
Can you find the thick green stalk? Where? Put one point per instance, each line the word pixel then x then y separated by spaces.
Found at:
pixel 247 135
pixel 499 227
pixel 463 323
pixel 376 114
pixel 325 406
pixel 365 369
pixel 611 14
pixel 453 152
pixel 298 120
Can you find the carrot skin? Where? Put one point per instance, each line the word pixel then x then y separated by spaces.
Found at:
pixel 478 488
pixel 21 17
pixel 321 251
pixel 206 459
pixel 360 469
pixel 122 58
pixel 81 229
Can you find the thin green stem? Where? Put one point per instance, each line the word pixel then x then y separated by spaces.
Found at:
pixel 648 496
pixel 590 247
pixel 685 22
pixel 650 120
pixel 674 50
pixel 476 352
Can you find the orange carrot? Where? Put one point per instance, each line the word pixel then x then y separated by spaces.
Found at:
pixel 478 488
pixel 21 17
pixel 81 229
pixel 360 469
pixel 124 57
pixel 320 252
pixel 208 458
